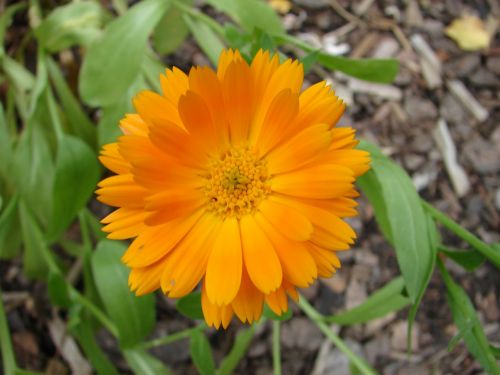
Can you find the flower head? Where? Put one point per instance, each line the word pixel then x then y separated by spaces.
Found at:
pixel 234 179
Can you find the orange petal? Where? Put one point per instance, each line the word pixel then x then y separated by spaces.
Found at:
pixel 215 315
pixel 238 100
pixel 124 223
pixel 319 182
pixel 146 279
pixel 297 264
pixel 261 261
pixel 225 59
pixel 277 301
pixel 290 222
pixel 156 242
pixel 121 191
pixel 173 84
pixel 172 204
pixel 112 159
pixel 223 276
pixel 186 265
pixel 249 301
pixel 299 150
pixel 155 109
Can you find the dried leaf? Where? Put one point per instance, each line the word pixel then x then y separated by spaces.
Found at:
pixel 281 6
pixel 469 32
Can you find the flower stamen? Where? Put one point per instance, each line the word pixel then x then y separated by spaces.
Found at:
pixel 236 183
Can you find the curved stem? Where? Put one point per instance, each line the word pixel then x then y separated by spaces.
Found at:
pixel 276 348
pixel 171 338
pixel 490 253
pixel 317 319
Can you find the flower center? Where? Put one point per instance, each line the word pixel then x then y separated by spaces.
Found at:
pixel 236 183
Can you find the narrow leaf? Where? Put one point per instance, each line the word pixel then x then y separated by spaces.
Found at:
pixel 387 299
pixel 171 31
pixel 469 260
pixel 238 351
pixel 206 38
pixel 141 362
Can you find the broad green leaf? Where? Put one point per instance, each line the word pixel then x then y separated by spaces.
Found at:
pixel 84 333
pixel 10 234
pixel 235 37
pixel 465 317
pixel 407 220
pixel 22 82
pixel 374 70
pixel 141 362
pixel 34 263
pixel 133 316
pixel 495 350
pixel 201 353
pixel 387 299
pixel 58 290
pixel 76 175
pixel 469 260
pixel 113 62
pixel 190 306
pixel 151 70
pixel 268 313
pixel 251 14
pixel 171 31
pixel 238 351
pixel 108 129
pixel 77 121
pixel 209 42
pixel 67 25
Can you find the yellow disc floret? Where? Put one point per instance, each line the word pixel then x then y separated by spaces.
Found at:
pixel 236 183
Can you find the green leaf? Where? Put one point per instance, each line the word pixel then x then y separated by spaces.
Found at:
pixel 58 290
pixel 108 129
pixel 7 350
pixel 10 235
pixel 5 147
pixel 251 14
pixel 34 263
pixel 113 62
pixel 374 70
pixel 464 316
pixel 235 37
pixel 309 60
pixel 77 121
pixel 84 333
pixel 238 351
pixel 6 20
pixel 387 299
pixel 268 313
pixel 469 260
pixel 201 353
pixel 209 42
pixel 171 31
pixel 76 175
pixel 133 316
pixel 495 350
pixel 33 170
pixel 190 306
pixel 67 25
pixel 407 220
pixel 143 363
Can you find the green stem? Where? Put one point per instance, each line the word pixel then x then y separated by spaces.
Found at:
pixel 317 319
pixel 94 310
pixel 8 357
pixel 276 348
pixel 171 338
pixel 490 253
pixel 54 116
pixel 195 13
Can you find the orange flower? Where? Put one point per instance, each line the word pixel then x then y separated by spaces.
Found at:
pixel 234 179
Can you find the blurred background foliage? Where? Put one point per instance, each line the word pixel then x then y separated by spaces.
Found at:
pixel 68 79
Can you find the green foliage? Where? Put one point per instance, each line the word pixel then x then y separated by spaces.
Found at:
pixel 49 142
pixel 133 316
pixel 190 306
pixel 382 302
pixel 201 353
pixel 112 62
